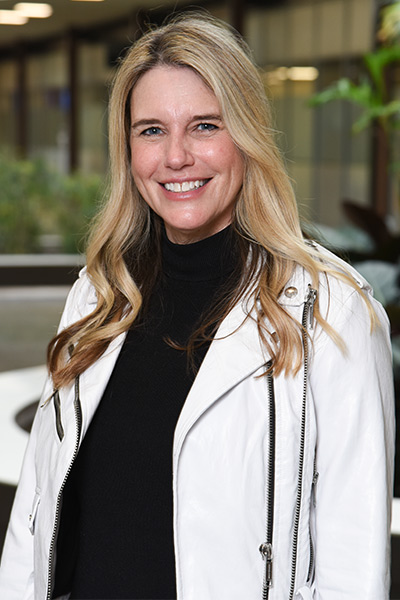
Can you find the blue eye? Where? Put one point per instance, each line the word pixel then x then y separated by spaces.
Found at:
pixel 151 131
pixel 207 126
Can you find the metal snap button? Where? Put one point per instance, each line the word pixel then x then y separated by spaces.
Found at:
pixel 291 292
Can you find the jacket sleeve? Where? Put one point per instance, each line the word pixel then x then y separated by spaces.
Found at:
pixel 353 396
pixel 16 569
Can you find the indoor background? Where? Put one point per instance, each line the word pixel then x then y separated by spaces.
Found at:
pixel 340 142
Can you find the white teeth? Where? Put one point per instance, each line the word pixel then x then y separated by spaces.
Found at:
pixel 185 186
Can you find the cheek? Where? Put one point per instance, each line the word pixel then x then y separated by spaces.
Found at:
pixel 227 158
pixel 239 166
pixel 235 164
pixel 143 162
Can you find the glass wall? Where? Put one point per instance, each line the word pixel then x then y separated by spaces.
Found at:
pixel 302 47
pixel 48 107
pixel 95 73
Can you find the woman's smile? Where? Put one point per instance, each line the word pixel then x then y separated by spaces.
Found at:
pixel 178 187
pixel 184 161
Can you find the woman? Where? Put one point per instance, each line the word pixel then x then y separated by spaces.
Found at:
pixel 218 421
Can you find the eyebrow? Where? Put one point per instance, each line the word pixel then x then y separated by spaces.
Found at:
pixel 143 122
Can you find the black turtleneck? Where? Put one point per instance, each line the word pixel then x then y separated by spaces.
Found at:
pixel 116 532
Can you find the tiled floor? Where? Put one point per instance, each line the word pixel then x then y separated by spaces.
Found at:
pixel 28 318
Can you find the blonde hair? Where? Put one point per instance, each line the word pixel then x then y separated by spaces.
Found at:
pixel 265 216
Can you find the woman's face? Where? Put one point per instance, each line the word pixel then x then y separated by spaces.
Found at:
pixel 184 162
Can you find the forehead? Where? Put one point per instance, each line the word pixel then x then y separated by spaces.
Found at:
pixel 172 89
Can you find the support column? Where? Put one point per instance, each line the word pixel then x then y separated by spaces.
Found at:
pixel 380 170
pixel 73 94
pixel 380 143
pixel 236 14
pixel 22 105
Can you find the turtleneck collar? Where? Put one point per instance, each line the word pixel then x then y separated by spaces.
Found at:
pixel 211 258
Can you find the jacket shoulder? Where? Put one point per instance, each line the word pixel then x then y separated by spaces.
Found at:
pixel 332 261
pixel 335 279
pixel 348 304
pixel 342 290
pixel 81 300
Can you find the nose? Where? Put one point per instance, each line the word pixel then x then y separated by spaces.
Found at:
pixel 178 153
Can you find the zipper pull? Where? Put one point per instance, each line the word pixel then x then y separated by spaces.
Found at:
pixel 314 483
pixel 266 553
pixel 310 301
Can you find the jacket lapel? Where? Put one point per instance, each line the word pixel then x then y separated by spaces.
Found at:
pixel 95 379
pixel 233 355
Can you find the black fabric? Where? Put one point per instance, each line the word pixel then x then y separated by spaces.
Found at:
pixel 116 534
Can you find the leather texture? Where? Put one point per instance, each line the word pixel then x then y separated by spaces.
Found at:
pixel 220 461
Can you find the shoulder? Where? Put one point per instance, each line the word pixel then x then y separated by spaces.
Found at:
pixel 350 298
pixel 342 291
pixel 81 300
pixel 333 268
pixel 335 279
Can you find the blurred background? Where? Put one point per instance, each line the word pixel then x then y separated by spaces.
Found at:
pixel 332 70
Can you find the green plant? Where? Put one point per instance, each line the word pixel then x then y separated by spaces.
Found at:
pixel 389 31
pixel 36 201
pixel 370 93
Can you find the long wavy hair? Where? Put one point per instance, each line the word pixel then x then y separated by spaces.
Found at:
pixel 123 255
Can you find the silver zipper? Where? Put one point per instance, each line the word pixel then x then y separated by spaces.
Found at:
pixel 266 553
pixel 78 418
pixel 307 320
pixel 312 553
pixel 266 547
pixel 310 301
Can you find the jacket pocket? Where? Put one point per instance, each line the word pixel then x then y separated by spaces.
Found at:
pixel 33 514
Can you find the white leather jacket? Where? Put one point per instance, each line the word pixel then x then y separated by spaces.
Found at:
pixel 282 486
